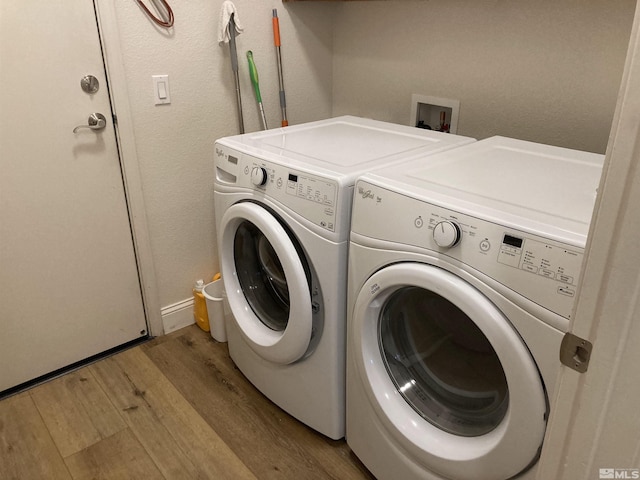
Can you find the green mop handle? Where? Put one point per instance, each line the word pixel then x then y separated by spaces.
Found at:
pixel 253 73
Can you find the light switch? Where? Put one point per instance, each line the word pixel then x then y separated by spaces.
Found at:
pixel 161 89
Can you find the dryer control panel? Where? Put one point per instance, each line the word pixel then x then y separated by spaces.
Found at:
pixel 311 196
pixel 542 258
pixel 542 270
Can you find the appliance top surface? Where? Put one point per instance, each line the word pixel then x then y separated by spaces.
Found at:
pixel 343 145
pixel 511 178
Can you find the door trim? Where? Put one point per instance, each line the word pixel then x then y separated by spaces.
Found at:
pixel 119 95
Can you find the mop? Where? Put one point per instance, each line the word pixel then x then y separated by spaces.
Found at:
pixel 229 28
pixel 253 73
pixel 276 41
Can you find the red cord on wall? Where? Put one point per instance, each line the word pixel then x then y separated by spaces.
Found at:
pixel 168 23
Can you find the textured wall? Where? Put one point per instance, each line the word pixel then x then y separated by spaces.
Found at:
pixel 175 142
pixel 542 71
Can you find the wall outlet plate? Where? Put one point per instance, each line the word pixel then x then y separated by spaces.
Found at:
pixel 425 110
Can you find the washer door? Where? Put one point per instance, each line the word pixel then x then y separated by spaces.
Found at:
pixel 448 376
pixel 266 283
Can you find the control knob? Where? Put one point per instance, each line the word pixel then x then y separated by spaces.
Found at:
pixel 446 234
pixel 259 176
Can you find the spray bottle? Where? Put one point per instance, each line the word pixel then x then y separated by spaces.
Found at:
pixel 200 306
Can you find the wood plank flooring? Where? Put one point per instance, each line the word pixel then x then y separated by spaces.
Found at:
pixel 173 408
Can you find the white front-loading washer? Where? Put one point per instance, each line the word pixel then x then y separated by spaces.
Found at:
pixel 283 204
pixel 462 277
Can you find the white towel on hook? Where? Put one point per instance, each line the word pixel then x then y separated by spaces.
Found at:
pixel 226 10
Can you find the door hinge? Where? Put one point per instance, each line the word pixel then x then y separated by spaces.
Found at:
pixel 575 352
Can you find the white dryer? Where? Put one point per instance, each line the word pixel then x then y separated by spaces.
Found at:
pixel 283 205
pixel 462 277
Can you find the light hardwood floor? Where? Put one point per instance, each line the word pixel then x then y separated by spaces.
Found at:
pixel 173 408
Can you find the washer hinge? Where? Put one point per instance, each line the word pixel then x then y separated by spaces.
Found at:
pixel 575 352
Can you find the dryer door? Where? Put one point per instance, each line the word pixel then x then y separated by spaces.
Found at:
pixel 449 377
pixel 267 283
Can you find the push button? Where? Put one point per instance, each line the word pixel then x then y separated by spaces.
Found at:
pixel 566 291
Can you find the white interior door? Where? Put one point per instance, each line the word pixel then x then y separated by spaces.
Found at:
pixel 69 285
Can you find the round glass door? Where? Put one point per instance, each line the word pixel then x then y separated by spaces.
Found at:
pixel 446 374
pixel 267 283
pixel 442 363
pixel 261 276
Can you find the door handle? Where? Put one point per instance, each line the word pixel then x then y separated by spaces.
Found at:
pixel 96 121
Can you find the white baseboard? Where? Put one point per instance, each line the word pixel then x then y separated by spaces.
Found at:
pixel 177 316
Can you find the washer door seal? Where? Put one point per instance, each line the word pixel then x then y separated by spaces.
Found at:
pixel 498 454
pixel 280 341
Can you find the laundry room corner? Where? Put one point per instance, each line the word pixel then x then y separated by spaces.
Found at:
pixel 173 141
pixel 538 71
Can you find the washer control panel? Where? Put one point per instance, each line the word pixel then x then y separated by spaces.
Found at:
pixel 312 196
pixel 544 271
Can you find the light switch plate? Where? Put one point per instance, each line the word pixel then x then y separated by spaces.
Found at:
pixel 161 93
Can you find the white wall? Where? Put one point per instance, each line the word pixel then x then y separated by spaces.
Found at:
pixel 543 71
pixel 174 143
